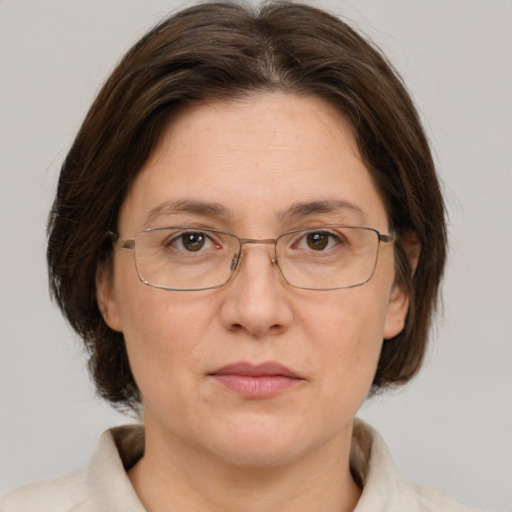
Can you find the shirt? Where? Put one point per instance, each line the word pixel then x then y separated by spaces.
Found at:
pixel 103 485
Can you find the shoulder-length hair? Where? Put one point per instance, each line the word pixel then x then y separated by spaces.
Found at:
pixel 224 51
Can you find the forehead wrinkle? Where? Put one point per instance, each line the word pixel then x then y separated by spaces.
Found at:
pixel 305 209
pixel 203 208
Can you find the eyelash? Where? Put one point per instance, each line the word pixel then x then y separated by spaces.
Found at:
pixel 206 239
pixel 180 237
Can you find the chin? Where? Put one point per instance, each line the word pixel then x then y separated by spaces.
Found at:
pixel 262 455
pixel 259 443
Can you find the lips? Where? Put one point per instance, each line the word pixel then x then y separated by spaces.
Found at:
pixel 256 381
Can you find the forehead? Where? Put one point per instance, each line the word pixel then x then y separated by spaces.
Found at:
pixel 257 157
pixel 255 124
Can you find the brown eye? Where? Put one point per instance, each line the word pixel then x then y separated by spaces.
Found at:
pixel 317 241
pixel 193 242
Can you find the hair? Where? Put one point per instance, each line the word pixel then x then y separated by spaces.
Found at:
pixel 226 51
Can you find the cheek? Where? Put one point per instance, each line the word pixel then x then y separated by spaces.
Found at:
pixel 347 330
pixel 158 353
pixel 153 321
pixel 159 329
pixel 347 319
pixel 164 339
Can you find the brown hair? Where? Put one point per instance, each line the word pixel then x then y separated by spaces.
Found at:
pixel 224 50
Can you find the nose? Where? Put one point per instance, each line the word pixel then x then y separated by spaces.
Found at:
pixel 257 297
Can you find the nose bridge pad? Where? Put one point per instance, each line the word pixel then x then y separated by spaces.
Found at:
pixel 273 257
pixel 234 262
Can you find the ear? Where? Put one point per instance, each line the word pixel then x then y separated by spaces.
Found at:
pixel 106 298
pixel 398 305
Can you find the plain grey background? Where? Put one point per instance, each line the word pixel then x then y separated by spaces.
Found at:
pixel 450 428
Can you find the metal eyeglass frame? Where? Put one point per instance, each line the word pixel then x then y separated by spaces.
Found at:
pixel 390 237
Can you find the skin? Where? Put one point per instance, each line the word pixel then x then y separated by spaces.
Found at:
pixel 207 447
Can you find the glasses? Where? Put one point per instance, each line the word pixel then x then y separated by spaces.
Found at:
pixel 185 258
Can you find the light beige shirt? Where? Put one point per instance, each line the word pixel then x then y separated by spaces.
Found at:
pixel 103 485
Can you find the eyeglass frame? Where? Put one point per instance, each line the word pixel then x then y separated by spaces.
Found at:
pixel 129 243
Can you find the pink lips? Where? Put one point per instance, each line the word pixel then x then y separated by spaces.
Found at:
pixel 260 381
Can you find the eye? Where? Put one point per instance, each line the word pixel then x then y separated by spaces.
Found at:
pixel 318 241
pixel 191 241
pixel 321 240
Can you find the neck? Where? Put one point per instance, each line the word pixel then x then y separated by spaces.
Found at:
pixel 175 477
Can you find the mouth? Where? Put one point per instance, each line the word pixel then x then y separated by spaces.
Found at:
pixel 256 381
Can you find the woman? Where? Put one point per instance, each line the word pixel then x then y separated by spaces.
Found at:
pixel 249 236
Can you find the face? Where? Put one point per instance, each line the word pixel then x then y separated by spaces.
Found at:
pixel 255 372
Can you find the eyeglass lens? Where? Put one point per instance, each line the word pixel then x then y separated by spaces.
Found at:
pixel 331 257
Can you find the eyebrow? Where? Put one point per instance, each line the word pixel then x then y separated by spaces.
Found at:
pixel 304 209
pixel 206 209
pixel 212 209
